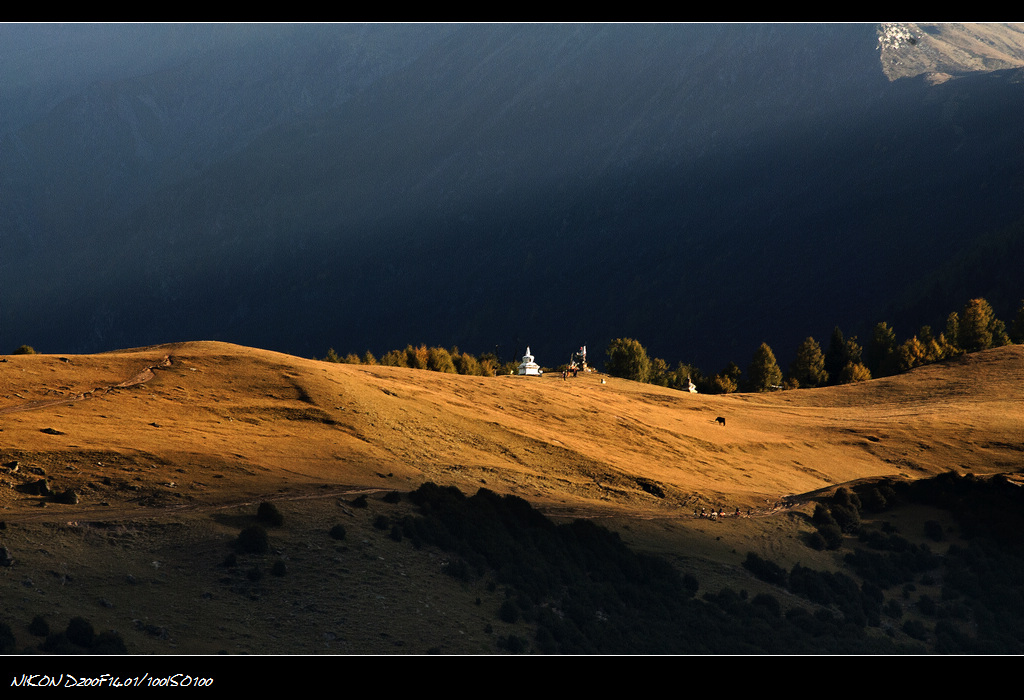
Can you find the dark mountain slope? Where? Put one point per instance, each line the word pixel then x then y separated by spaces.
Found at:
pixel 700 188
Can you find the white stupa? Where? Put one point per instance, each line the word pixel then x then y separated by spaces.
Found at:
pixel 528 366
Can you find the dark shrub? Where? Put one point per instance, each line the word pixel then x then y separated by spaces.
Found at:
pixel 459 569
pixel 893 609
pixel 817 541
pixel 727 599
pixel 7 640
pixel 847 517
pixel 832 535
pixel 80 632
pixel 432 496
pixel 359 502
pixel 254 574
pixel 268 514
pixel 933 530
pixel 509 612
pixel 956 609
pixel 39 627
pixel 253 540
pixel 691 584
pixel 768 603
pixel 338 532
pixel 822 516
pixel 109 643
pixel 844 497
pixel 765 570
pixel 382 522
pixel 874 500
pixel 396 533
pixel 279 568
pixel 872 593
pixel 883 571
pixel 546 641
pixel 68 497
pixel 950 640
pixel 39 487
pixel 58 643
pixel 513 644
pixel 230 561
pixel 916 629
pixel 392 497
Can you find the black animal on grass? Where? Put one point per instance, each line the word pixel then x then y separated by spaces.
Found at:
pixel 720 420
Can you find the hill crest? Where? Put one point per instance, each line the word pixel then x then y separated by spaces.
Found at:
pixel 219 421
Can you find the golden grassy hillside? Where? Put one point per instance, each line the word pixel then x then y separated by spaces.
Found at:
pixel 170 449
pixel 220 421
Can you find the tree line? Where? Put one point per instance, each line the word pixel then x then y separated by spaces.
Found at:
pixel 973 328
pixel 436 359
pixel 844 361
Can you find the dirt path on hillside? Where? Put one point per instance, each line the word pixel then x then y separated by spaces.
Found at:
pixel 140 378
pixel 131 512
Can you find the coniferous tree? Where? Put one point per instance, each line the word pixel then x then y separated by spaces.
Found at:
pixel 659 372
pixel 628 359
pixel 764 372
pixel 881 360
pixel 722 384
pixel 911 353
pixel 933 347
pixel 732 371
pixel 854 372
pixel 395 358
pixel 727 381
pixel 854 352
pixel 1017 327
pixel 808 368
pixel 844 359
pixel 416 357
pixel 683 374
pixel 440 360
pixel 999 335
pixel 976 326
pixel 952 335
pixel 837 355
pixel 490 365
pixel 466 363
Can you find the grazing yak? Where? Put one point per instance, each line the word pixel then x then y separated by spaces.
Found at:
pixel 720 420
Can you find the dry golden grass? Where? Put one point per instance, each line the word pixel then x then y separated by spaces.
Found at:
pixel 171 468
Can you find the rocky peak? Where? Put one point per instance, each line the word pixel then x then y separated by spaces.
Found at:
pixel 948 50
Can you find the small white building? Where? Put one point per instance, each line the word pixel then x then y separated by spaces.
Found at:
pixel 528 366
